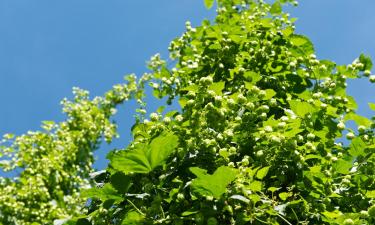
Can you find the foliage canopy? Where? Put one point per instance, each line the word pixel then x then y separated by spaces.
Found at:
pixel 258 138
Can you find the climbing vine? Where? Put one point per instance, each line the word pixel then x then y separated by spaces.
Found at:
pixel 261 137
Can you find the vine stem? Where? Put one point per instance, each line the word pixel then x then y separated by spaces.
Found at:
pixel 261 220
pixel 286 221
pixel 136 208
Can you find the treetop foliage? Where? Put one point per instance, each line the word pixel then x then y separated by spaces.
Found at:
pixel 258 139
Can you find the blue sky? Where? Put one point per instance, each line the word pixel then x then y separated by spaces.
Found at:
pixel 47 47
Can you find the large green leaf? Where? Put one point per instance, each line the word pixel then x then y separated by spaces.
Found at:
pixel 107 192
pixel 301 108
pixel 359 120
pixel 352 104
pixel 212 185
pixel 252 76
pixel 133 218
pixel 303 43
pixel 342 166
pixel 357 147
pixel 217 87
pixel 120 182
pixel 145 157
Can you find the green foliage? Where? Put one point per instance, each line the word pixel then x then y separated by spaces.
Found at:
pixel 258 138
pixel 212 185
pixel 276 8
pixel 143 158
pixel 53 165
pixel 209 3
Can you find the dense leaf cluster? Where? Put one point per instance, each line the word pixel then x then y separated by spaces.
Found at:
pixel 258 139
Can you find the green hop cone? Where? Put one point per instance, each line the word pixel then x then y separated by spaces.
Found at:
pixel 348 222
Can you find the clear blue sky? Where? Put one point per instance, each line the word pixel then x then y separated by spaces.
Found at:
pixel 47 47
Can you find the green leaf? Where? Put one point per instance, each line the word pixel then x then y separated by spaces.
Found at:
pixel 189 212
pixel 120 182
pixel 299 40
pixel 209 3
pixel 133 218
pixel 342 166
pixel 156 93
pixel 303 43
pixel 284 195
pixel 357 147
pixel 359 120
pixel 312 156
pixel 182 101
pixel 171 113
pixel 366 61
pixel 266 22
pixel 301 108
pixel 255 186
pixel 370 194
pixel 255 198
pixel 129 161
pixel 372 106
pixel 161 148
pixel 288 31
pixel 276 8
pixel 332 215
pixel 105 193
pixel 212 185
pixel 145 157
pixel 273 189
pixel 352 104
pixel 269 94
pixel 262 172
pixel 194 88
pixel 160 109
pixel 252 76
pixel 217 87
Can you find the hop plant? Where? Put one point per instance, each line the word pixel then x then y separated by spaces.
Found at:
pixel 255 140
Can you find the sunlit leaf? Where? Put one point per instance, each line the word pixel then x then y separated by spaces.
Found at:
pixel 276 8
pixel 255 186
pixel 209 3
pixel 133 218
pixel 342 166
pixel 301 108
pixel 359 120
pixel 107 192
pixel 212 185
pixel 262 172
pixel 357 147
pixel 366 61
pixel 217 87
pixel 145 157
pixel 284 195
pixel 372 106
pixel 303 43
